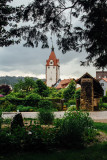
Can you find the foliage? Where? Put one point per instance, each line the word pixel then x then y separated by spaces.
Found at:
pixel 71 108
pixel 42 89
pixel 101 126
pixel 77 94
pixel 5 89
pixel 72 102
pixel 22 108
pixel 97 151
pixel 104 99
pixel 33 99
pixel 70 90
pixel 45 104
pixel 75 129
pixel 92 33
pixel 27 85
pixel 17 122
pixel 103 106
pixel 1 119
pixel 7 106
pixel 45 116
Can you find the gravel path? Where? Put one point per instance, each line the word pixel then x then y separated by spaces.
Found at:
pixel 97 116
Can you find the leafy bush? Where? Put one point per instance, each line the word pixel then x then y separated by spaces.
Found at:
pixel 22 108
pixel 72 102
pixel 103 106
pixel 70 91
pixel 42 89
pixel 46 104
pixel 1 119
pixel 5 89
pixel 77 94
pixel 45 116
pixel 32 99
pixel 17 122
pixel 71 108
pixel 75 129
pixel 104 99
pixel 6 106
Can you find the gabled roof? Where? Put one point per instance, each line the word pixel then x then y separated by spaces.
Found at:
pixel 86 75
pixel 63 83
pixel 97 87
pixel 52 57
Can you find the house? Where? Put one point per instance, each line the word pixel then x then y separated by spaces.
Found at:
pixel 103 83
pixel 63 83
pixel 101 74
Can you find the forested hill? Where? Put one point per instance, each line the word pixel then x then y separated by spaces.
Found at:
pixel 12 80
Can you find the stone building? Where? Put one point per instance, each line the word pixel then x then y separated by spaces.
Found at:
pixel 52 69
pixel 101 74
pixel 91 91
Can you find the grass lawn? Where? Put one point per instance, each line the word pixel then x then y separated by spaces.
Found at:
pixel 101 126
pixel 97 151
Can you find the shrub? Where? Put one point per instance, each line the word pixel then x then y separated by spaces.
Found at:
pixel 6 106
pixel 17 122
pixel 22 108
pixel 103 106
pixel 77 94
pixel 5 89
pixel 71 108
pixel 45 116
pixel 1 119
pixel 70 91
pixel 75 129
pixel 46 104
pixel 72 102
pixel 104 99
pixel 32 99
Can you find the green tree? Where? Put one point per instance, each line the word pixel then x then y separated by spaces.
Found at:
pixel 42 89
pixel 27 85
pixel 51 15
pixel 70 91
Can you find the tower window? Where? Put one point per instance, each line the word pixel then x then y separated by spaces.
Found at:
pixel 48 67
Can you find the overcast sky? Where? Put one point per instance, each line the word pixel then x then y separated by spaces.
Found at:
pixel 21 61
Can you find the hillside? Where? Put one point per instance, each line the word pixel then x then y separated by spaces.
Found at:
pixel 12 80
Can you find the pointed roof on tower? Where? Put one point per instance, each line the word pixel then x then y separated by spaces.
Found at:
pixel 52 57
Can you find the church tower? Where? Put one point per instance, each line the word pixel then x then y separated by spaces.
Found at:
pixel 52 69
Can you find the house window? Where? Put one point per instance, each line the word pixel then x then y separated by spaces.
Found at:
pixel 48 67
pixel 53 67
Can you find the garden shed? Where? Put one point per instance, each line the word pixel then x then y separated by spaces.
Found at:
pixel 91 92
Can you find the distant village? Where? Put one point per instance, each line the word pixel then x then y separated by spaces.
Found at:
pixel 92 88
pixel 53 75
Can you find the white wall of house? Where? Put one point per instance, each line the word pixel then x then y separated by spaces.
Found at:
pixel 104 86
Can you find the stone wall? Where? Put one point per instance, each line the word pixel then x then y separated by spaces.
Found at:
pixel 87 94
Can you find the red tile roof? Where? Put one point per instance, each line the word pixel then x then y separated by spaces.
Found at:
pixel 63 83
pixel 105 79
pixel 52 57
